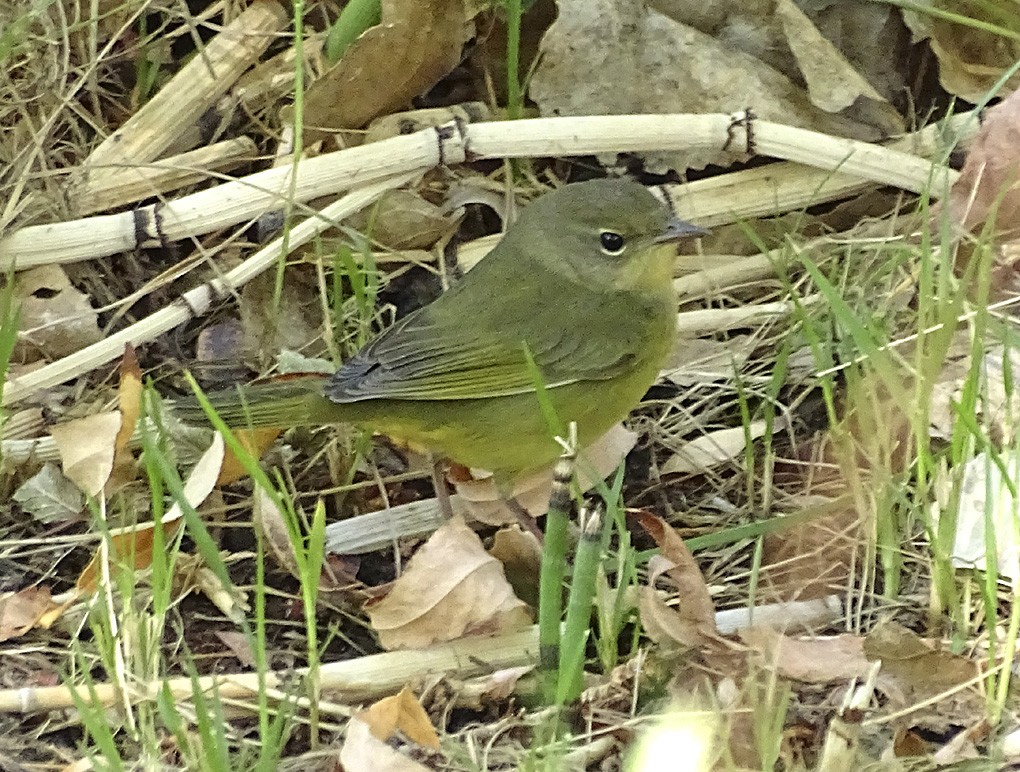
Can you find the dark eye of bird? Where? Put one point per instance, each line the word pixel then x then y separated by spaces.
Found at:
pixel 612 242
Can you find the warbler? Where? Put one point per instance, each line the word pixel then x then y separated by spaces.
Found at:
pixel 580 285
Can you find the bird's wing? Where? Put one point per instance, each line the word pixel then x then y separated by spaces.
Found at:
pixel 424 358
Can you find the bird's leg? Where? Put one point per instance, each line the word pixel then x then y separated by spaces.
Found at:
pixel 441 489
pixel 524 518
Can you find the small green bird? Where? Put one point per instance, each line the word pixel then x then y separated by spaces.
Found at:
pixel 582 281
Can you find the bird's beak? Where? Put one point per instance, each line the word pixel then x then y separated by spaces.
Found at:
pixel 678 229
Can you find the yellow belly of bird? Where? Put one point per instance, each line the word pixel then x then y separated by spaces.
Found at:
pixel 508 436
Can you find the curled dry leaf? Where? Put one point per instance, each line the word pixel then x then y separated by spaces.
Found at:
pixel 292 321
pixel 269 520
pixel 814 660
pixel 492 688
pixel 363 752
pixel 87 447
pixel 521 555
pixel 129 399
pixel 486 504
pixel 134 545
pixel 193 575
pixel 915 670
pixel 21 611
pixel 402 219
pixel 417 43
pixel 986 498
pixel 693 624
pixel 989 183
pixel 971 60
pixel 452 587
pixel 255 442
pixel 400 712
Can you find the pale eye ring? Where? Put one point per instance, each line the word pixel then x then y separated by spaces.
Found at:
pixel 612 242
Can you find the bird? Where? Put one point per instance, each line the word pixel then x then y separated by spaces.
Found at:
pixel 573 308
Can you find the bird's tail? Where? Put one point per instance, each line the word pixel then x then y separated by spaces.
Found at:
pixel 291 402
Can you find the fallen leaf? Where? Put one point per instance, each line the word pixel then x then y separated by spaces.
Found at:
pixel 989 183
pixel 651 60
pixel 486 505
pixel 49 496
pixel 400 712
pixel 239 645
pixel 451 588
pixel 87 447
pixel 255 442
pixel 819 660
pixel 193 575
pixel 971 60
pixel 521 555
pixel 292 321
pixel 363 752
pixel 915 670
pixel 402 219
pixel 133 545
pixel 21 611
pixel 417 43
pixel 693 623
pixel 129 399
pixel 718 447
pixel 492 688
pixel 269 520
pixel 204 476
pixel 832 83
pixel 54 318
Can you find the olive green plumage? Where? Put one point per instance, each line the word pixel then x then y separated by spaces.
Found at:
pixel 582 280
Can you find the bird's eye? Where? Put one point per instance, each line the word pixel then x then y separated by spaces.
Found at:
pixel 612 242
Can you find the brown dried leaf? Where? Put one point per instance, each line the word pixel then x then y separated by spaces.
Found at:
pixel 521 555
pixel 133 545
pixel 255 442
pixel 971 60
pixel 404 220
pixel 989 183
pixel 417 43
pixel 21 611
pixel 239 645
pixel 814 660
pixel 693 623
pixel 452 587
pixel 363 752
pixel 483 499
pixel 682 570
pixel 269 520
pixel 400 712
pixel 922 669
pixel 129 395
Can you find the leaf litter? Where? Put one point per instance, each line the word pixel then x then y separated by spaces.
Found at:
pixel 808 64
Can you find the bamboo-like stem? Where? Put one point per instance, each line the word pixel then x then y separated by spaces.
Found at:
pixel 244 199
pixel 373 676
pixel 198 300
pixel 141 181
pixel 550 583
pixel 193 89
pixel 579 605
